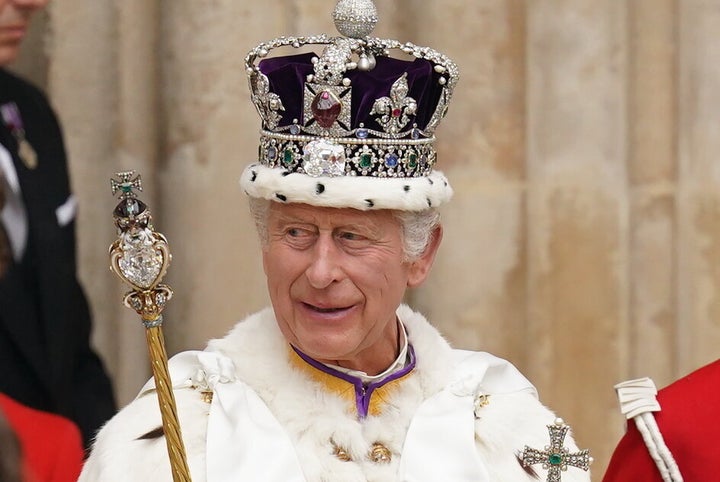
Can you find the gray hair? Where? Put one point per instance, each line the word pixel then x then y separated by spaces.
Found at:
pixel 417 226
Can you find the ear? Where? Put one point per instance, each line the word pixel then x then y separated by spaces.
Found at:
pixel 420 268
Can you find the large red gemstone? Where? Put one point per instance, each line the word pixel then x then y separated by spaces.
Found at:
pixel 326 108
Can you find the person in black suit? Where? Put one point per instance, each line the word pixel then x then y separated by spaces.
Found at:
pixel 46 361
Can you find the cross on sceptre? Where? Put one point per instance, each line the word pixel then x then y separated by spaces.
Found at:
pixel 556 458
pixel 126 183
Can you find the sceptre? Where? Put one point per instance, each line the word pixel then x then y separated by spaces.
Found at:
pixel 140 257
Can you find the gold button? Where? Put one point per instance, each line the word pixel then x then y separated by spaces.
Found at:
pixel 380 454
pixel 341 453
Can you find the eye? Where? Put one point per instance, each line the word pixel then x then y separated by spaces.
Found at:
pixel 298 236
pixel 295 232
pixel 350 236
pixel 353 239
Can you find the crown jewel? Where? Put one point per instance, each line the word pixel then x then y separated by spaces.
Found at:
pixel 352 109
pixel 355 18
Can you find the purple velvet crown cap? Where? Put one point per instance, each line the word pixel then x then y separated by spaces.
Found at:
pixel 287 76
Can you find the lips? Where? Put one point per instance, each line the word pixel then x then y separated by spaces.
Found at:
pixel 320 309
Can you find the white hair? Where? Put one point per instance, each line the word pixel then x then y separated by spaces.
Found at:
pixel 417 226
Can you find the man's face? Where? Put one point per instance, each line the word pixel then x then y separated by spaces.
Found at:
pixel 335 278
pixel 14 21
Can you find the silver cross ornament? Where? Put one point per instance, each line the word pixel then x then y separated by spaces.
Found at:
pixel 126 183
pixel 555 458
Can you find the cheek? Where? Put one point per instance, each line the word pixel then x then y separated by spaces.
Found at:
pixel 274 272
pixel 272 277
pixel 281 267
pixel 272 261
pixel 385 280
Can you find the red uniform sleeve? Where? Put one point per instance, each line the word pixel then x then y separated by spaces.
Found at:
pixel 689 424
pixel 51 445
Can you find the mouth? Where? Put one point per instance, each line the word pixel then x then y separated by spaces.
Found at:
pixel 326 310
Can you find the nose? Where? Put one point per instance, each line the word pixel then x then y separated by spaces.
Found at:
pixel 325 266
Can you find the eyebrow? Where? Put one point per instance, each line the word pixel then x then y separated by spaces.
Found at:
pixel 288 218
pixel 368 227
pixel 371 230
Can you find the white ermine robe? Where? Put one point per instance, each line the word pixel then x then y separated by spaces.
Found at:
pixel 458 416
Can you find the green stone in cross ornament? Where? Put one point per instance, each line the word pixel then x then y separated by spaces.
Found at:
pixel 127 183
pixel 555 458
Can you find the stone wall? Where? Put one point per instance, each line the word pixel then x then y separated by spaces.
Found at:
pixel 583 242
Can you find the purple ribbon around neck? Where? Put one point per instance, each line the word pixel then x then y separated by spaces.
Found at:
pixel 363 392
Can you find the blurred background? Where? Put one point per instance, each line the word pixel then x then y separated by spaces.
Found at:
pixel 583 242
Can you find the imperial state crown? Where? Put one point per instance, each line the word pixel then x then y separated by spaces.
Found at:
pixel 348 124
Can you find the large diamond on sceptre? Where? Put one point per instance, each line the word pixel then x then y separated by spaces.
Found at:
pixel 140 257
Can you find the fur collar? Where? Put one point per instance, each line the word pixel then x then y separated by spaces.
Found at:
pixel 315 419
pixel 318 420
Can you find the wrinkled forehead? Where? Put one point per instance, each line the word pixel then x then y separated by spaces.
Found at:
pixel 281 213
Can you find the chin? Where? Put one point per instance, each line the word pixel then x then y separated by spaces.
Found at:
pixel 325 351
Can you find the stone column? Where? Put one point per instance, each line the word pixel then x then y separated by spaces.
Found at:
pixel 86 81
pixel 476 291
pixel 698 268
pixel 652 169
pixel 210 133
pixel 577 212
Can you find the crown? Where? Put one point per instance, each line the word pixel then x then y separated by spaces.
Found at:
pixel 350 126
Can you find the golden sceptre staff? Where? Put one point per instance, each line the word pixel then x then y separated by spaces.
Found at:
pixel 140 256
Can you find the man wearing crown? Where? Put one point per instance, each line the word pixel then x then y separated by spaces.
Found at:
pixel 338 380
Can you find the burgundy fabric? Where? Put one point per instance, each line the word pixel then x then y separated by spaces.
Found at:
pixel 287 76
pixel 690 425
